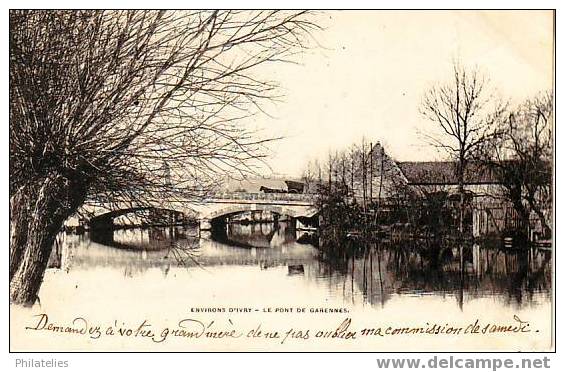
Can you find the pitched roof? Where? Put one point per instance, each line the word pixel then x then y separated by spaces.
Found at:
pixel 444 173
pixel 254 184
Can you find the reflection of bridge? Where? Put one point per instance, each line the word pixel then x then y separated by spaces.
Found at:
pixel 217 206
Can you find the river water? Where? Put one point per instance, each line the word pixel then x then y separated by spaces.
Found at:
pixel 370 277
pixel 249 267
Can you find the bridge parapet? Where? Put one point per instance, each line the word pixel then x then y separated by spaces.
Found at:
pixel 310 198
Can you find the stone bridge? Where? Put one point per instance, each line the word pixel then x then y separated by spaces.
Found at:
pixel 217 206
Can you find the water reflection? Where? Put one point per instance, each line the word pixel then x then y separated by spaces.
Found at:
pixel 256 235
pixel 371 275
pixel 378 272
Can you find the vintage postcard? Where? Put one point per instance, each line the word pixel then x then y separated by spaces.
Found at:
pixel 262 180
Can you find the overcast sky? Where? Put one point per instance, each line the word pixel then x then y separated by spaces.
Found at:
pixel 369 78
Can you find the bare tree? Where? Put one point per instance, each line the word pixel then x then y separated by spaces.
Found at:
pixel 467 113
pixel 309 177
pixel 359 178
pixel 521 159
pixel 105 104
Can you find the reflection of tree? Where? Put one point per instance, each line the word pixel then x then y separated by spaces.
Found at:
pixel 426 267
pixel 521 273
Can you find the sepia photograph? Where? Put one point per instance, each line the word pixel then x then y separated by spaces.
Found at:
pixel 281 181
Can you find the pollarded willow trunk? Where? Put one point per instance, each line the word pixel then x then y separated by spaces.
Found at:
pixel 53 203
pixel 21 205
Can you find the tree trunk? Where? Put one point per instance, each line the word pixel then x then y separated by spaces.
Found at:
pixel 515 194
pixel 461 190
pixel 21 205
pixel 50 210
pixel 538 211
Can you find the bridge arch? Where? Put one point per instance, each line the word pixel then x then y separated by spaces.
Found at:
pixel 105 218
